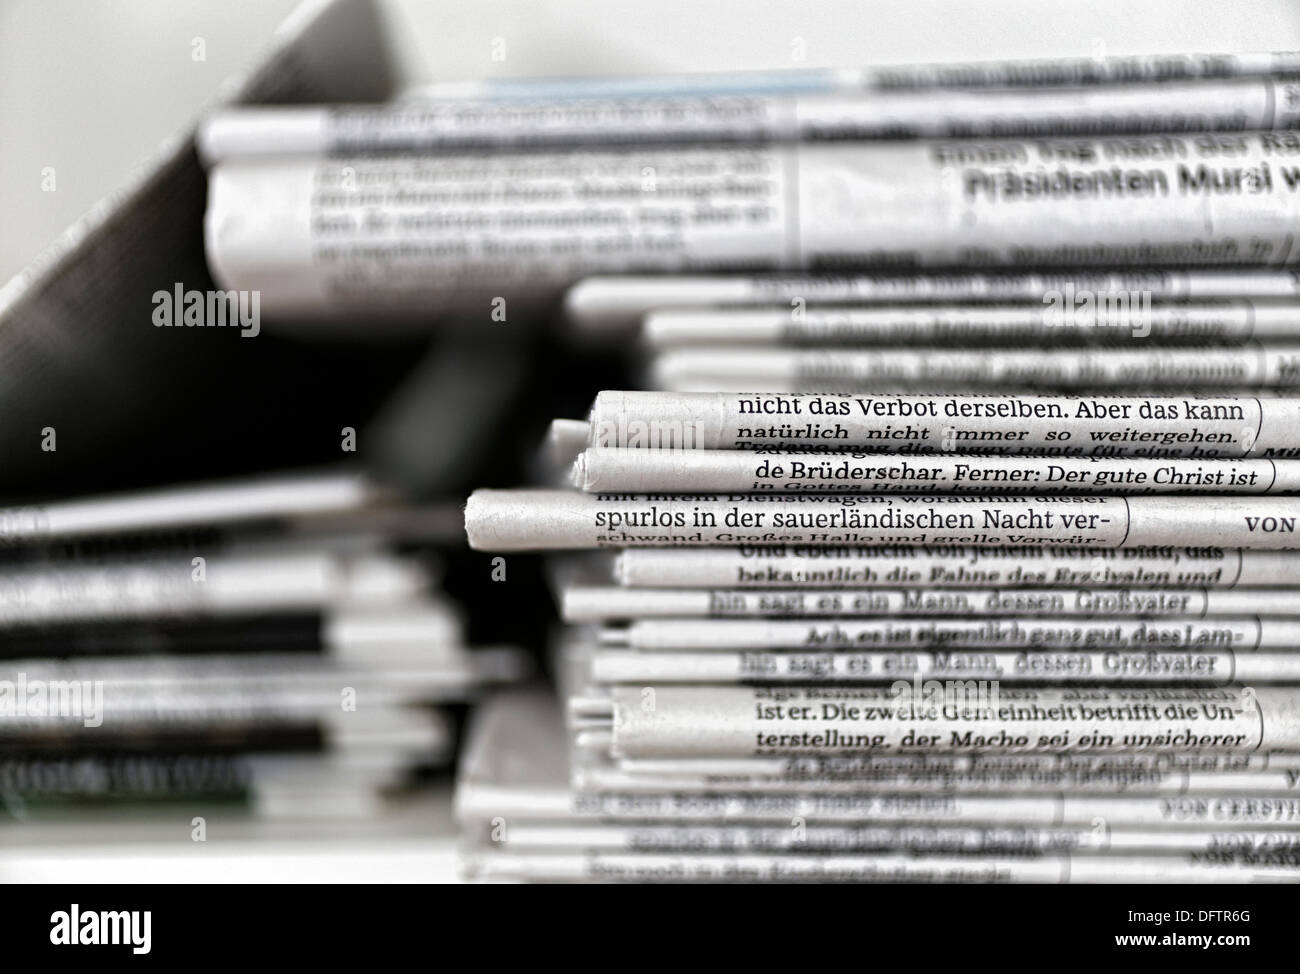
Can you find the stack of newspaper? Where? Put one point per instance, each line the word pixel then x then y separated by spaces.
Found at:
pixel 965 576
pixel 897 661
pixel 226 656
pixel 953 541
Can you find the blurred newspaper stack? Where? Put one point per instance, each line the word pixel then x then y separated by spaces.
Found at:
pixel 250 657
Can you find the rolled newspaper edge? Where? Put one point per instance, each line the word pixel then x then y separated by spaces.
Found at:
pixel 542 519
pixel 623 470
pixel 866 567
pixel 692 721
